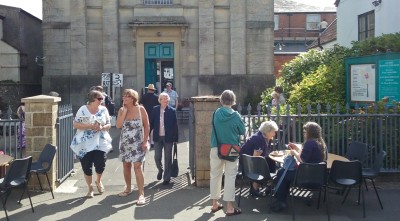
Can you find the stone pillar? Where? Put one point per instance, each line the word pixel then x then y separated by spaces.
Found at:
pixel 40 120
pixel 203 106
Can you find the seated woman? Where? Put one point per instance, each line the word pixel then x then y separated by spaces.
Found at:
pixel 259 145
pixel 314 151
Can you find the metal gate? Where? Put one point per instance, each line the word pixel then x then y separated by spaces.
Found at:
pixel 65 133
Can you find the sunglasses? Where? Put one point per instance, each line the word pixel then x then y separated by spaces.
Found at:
pixel 99 98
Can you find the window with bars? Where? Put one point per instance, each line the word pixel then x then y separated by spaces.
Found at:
pixel 157 2
pixel 366 26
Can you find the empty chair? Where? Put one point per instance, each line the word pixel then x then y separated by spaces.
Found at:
pixel 43 165
pixel 372 173
pixel 348 174
pixel 255 168
pixel 310 177
pixel 17 176
pixel 357 151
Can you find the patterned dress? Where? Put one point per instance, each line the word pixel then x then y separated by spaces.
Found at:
pixel 85 141
pixel 130 149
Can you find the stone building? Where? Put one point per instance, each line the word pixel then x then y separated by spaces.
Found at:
pixel 201 46
pixel 20 45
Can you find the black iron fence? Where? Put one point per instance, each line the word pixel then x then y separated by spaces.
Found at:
pixel 11 137
pixel 379 129
pixel 65 133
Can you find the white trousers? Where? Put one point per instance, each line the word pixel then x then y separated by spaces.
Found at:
pixel 217 167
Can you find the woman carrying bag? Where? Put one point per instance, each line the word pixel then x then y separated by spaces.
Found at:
pixel 228 126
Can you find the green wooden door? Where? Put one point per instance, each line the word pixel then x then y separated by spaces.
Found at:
pixel 156 53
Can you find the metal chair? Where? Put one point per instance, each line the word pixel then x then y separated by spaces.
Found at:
pixel 310 177
pixel 43 165
pixel 357 151
pixel 372 173
pixel 348 174
pixel 255 168
pixel 17 176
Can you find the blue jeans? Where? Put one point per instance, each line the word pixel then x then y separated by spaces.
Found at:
pixel 158 147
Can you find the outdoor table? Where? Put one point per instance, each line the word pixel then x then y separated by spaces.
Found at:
pixel 278 157
pixel 4 160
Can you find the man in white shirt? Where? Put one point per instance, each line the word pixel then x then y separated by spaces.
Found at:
pixel 323 25
pixel 173 102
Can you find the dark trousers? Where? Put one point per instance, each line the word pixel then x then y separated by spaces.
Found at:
pixel 158 147
pixel 283 190
pixel 97 158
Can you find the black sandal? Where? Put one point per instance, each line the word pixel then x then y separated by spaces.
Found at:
pixel 236 211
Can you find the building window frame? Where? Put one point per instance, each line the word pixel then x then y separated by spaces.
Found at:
pixel 157 2
pixel 276 22
pixel 366 25
pixel 312 22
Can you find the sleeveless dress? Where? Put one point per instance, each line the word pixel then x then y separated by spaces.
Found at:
pixel 130 149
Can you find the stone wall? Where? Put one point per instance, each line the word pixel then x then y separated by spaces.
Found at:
pixel 40 120
pixel 204 107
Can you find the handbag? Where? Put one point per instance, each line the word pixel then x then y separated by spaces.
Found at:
pixel 175 167
pixel 229 152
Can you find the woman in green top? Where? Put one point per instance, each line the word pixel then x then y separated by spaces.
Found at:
pixel 228 126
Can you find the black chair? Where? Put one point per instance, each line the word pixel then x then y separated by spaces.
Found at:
pixel 17 176
pixel 357 151
pixel 255 168
pixel 310 177
pixel 43 165
pixel 348 174
pixel 372 173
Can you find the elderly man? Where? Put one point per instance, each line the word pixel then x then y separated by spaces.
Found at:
pixel 173 102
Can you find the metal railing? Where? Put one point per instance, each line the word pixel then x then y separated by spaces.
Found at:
pixel 11 137
pixel 380 131
pixel 157 2
pixel 65 133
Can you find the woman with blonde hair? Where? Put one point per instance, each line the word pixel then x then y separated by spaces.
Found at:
pixel 133 120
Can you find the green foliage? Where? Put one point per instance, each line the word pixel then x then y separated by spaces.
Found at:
pixel 319 76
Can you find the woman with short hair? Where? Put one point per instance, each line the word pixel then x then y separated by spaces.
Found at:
pixel 259 144
pixel 92 141
pixel 228 126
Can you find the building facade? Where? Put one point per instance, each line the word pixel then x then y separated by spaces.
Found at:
pixel 201 46
pixel 359 19
pixel 20 48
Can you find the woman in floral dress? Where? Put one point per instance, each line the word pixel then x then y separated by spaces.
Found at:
pixel 92 141
pixel 133 120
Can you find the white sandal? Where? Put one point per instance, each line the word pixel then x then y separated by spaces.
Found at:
pixel 141 201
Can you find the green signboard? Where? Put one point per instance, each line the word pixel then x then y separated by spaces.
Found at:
pixel 371 78
pixel 389 79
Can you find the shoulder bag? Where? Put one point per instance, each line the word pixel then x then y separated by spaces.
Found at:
pixel 175 167
pixel 229 152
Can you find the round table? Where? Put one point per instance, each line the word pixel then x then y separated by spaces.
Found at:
pixel 331 157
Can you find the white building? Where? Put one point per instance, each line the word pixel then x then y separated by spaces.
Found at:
pixel 362 19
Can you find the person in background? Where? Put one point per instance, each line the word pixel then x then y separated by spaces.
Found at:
pixel 92 141
pixel 278 97
pixel 149 101
pixel 173 101
pixel 164 125
pixel 313 151
pixel 133 120
pixel 259 144
pixel 228 126
pixel 108 102
pixel 323 25
pixel 21 115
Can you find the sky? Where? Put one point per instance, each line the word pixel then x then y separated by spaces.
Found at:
pixel 34 7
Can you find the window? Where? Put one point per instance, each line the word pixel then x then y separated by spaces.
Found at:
pixel 366 25
pixel 313 22
pixel 157 2
pixel 276 22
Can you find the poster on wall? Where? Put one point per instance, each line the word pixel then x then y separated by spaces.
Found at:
pixel 389 79
pixel 362 83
